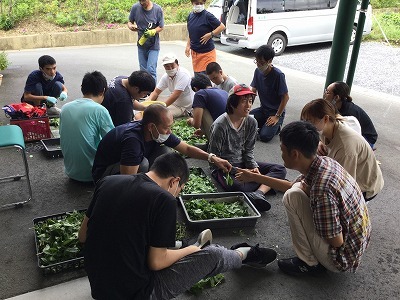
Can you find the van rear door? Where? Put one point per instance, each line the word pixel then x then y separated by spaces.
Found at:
pixel 236 18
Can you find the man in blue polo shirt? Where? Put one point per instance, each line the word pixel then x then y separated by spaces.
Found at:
pixel 270 85
pixel 208 104
pixel 131 148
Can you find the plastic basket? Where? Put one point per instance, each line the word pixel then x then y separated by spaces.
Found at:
pixel 34 129
pixel 71 264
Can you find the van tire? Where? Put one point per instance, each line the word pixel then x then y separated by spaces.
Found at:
pixel 278 42
pixel 353 34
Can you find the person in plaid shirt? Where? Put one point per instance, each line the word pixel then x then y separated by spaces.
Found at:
pixel 327 214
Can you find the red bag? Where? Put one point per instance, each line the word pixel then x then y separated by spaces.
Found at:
pixel 23 111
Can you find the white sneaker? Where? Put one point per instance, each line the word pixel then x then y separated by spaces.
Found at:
pixel 204 239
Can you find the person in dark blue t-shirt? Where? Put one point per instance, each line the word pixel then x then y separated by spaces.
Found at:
pixel 270 84
pixel 132 147
pixel 208 104
pixel 202 27
pixel 45 86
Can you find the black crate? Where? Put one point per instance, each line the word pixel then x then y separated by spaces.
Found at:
pixel 52 147
pixel 239 222
pixel 72 264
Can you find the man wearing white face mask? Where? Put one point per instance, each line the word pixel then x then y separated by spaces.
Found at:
pixel 45 86
pixel 132 147
pixel 177 80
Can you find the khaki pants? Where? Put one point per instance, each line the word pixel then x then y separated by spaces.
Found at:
pixel 308 245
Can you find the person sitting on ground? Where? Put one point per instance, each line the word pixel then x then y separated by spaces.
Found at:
pixel 219 78
pixel 328 217
pixel 45 86
pixel 344 145
pixel 208 104
pixel 270 84
pixel 131 148
pixel 338 93
pixel 123 93
pixel 233 137
pixel 130 226
pixel 177 80
pixel 83 123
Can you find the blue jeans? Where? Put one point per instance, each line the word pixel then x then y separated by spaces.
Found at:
pixel 148 61
pixel 267 132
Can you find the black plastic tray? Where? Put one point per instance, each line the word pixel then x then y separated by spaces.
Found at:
pixel 71 264
pixel 238 222
pixel 52 147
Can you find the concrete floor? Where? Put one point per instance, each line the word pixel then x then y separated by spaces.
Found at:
pixel 377 278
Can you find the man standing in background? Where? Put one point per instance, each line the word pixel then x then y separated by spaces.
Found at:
pixel 147 19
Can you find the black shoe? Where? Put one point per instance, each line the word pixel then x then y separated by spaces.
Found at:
pixel 259 201
pixel 295 266
pixel 257 257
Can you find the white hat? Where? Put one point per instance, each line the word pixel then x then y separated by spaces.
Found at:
pixel 168 59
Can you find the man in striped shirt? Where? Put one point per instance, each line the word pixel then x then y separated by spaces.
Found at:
pixel 327 214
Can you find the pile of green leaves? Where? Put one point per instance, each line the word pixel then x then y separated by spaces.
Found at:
pixel 57 239
pixel 202 209
pixel 209 282
pixel 186 133
pixel 198 183
pixel 180 231
pixel 55 122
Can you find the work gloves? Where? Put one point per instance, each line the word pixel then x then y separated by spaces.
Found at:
pixel 63 96
pixel 51 101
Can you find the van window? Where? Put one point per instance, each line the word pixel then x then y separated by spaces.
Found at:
pixel 273 6
pixel 269 6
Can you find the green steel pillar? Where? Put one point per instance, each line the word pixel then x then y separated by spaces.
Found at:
pixel 357 42
pixel 341 41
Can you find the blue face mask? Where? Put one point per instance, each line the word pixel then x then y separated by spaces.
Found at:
pixel 161 137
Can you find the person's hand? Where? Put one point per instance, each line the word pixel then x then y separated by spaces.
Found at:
pixel 51 100
pixel 204 39
pixel 63 96
pixel 187 51
pixel 222 164
pixel 322 149
pixel 132 27
pixel 272 120
pixel 189 121
pixel 244 175
pixel 149 33
pixel 255 170
pixel 198 132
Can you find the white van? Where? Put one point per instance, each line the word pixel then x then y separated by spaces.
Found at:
pixel 280 23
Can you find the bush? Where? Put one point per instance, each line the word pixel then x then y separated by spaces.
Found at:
pixel 384 3
pixel 7 22
pixel 4 62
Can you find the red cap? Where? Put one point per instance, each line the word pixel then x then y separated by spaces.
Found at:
pixel 240 90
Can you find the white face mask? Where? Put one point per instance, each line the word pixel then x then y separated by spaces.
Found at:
pixel 198 8
pixel 175 194
pixel 161 137
pixel 48 77
pixel 264 68
pixel 171 73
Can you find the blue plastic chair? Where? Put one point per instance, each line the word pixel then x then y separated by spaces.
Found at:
pixel 11 136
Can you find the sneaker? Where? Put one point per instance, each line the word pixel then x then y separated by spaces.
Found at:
pixel 295 266
pixel 259 201
pixel 257 257
pixel 204 239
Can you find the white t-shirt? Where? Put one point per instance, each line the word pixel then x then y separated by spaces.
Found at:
pixel 180 82
pixel 353 123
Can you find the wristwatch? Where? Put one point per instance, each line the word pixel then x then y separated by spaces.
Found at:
pixel 210 156
pixel 278 115
pixel 212 34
